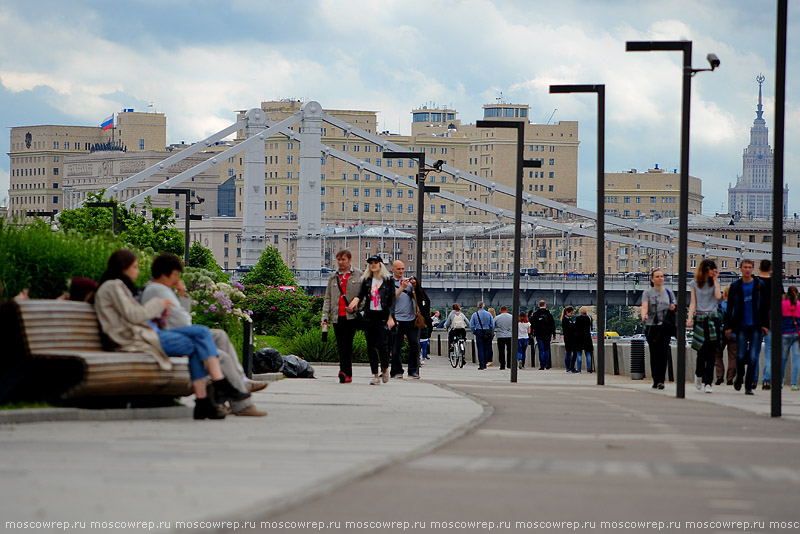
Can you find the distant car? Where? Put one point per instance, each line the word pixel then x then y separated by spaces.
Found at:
pixel 529 272
pixel 728 274
pixel 325 270
pixel 574 274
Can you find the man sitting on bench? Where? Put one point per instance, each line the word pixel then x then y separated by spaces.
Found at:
pixel 166 270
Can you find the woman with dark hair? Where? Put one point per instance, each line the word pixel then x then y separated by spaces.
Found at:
pixel 705 317
pixel 791 334
pixel 132 327
pixel 583 330
pixel 570 338
pixel 378 294
pixel 656 301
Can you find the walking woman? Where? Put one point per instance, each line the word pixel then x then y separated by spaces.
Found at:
pixel 656 301
pixel 706 318
pixel 377 293
pixel 583 331
pixel 134 328
pixel 570 338
pixel 791 334
pixel 523 337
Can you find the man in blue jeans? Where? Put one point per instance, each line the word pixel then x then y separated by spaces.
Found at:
pixel 747 316
pixel 482 326
pixel 544 328
pixel 405 311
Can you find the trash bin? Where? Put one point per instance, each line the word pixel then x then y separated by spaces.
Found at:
pixel 637 359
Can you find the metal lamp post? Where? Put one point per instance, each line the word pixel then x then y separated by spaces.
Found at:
pixel 777 204
pixel 683 219
pixel 601 219
pixel 422 173
pixel 189 217
pixel 113 206
pixel 521 164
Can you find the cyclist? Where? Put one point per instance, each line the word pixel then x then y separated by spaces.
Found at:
pixel 456 325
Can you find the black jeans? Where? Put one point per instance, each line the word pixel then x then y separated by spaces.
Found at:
pixel 345 330
pixel 504 351
pixel 377 334
pixel 408 330
pixel 658 342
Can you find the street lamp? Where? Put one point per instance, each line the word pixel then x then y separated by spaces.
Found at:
pixel 113 206
pixel 521 164
pixel 683 219
pixel 422 174
pixel 777 202
pixel 189 217
pixel 601 215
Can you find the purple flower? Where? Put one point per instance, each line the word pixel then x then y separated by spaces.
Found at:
pixel 212 308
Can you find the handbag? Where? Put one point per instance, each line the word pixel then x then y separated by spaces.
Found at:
pixel 670 320
pixel 485 334
pixel 419 319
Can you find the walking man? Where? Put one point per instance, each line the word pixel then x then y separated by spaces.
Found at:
pixel 502 325
pixel 343 286
pixel 764 270
pixel 482 326
pixel 544 329
pixel 404 315
pixel 747 316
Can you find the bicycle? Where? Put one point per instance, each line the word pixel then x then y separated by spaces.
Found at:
pixel 458 354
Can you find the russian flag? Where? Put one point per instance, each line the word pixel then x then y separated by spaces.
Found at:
pixel 107 123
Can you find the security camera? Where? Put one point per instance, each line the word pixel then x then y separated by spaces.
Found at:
pixel 200 200
pixel 438 164
pixel 713 60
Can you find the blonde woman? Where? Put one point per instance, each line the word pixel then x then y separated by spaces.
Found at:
pixel 378 294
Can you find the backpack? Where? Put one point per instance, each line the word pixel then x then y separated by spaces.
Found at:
pixel 458 321
pixel 541 323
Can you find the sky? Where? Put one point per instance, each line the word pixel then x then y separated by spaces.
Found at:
pixel 75 63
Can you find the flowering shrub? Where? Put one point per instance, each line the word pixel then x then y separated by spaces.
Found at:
pixel 217 304
pixel 272 306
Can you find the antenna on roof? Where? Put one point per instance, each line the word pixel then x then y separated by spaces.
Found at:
pixel 551 116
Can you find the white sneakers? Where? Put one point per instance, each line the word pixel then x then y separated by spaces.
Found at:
pixel 708 388
pixel 698 382
pixel 376 381
pixel 385 376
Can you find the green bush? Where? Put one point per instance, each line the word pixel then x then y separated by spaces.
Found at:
pixel 273 306
pixel 309 346
pixel 202 258
pixel 36 257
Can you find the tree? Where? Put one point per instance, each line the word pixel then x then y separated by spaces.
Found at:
pixel 158 232
pixel 270 270
pixel 201 257
pixel 623 320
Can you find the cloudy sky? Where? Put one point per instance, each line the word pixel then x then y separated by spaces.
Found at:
pixel 77 62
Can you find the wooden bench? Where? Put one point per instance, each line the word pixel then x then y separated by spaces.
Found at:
pixel 53 349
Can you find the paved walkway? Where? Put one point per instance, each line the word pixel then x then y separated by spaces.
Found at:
pixel 322 439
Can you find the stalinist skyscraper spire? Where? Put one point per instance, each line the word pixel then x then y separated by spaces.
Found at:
pixel 752 195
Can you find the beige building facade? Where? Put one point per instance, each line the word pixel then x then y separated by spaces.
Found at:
pixel 655 193
pixel 38 154
pixel 353 197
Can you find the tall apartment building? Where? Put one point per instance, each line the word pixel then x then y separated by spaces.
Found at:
pixel 752 194
pixel 38 152
pixel 352 197
pixel 653 194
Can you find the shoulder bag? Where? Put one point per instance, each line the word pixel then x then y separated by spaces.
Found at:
pixel 670 320
pixel 419 320
pixel 485 334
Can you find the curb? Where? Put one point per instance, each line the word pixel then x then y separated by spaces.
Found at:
pixel 40 415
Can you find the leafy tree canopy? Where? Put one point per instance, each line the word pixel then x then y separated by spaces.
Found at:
pixel 201 257
pixel 158 232
pixel 270 270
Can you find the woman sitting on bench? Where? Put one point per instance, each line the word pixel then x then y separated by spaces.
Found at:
pixel 135 328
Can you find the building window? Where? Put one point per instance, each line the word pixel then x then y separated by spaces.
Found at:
pixel 141 144
pixel 550 188
pixel 443 209
pixel 552 161
pixel 55 171
pixel 225 238
pixel 552 174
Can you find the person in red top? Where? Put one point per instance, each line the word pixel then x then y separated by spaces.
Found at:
pixel 343 286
